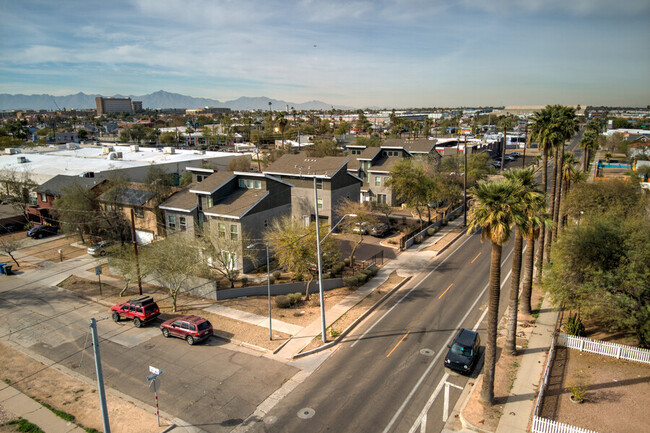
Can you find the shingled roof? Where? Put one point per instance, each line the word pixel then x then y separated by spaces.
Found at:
pixel 182 201
pixel 213 182
pixel 418 145
pixel 301 165
pixel 59 183
pixel 237 204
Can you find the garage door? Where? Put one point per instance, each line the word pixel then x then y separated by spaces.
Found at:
pixel 143 237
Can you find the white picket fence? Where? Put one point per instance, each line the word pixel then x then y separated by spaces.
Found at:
pixel 543 425
pixel 614 350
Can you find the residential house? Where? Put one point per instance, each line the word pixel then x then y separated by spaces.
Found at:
pixel 233 206
pixel 374 164
pixel 143 202
pixel 329 176
pixel 49 191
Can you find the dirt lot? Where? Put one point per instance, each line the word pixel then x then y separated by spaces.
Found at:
pixel 44 251
pixel 617 398
pixel 73 396
pixel 487 417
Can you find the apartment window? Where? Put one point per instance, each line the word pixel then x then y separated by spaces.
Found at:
pixel 266 223
pixel 320 203
pixel 221 230
pixel 200 177
pixel 138 211
pixel 386 179
pixel 258 184
pixel 242 183
pixel 233 232
pixel 182 223
pixel 44 197
pixel 381 198
pixel 377 180
pixel 230 259
pixel 319 183
pixel 171 222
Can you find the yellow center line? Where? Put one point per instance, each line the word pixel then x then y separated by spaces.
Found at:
pixel 476 257
pixel 443 293
pixel 400 342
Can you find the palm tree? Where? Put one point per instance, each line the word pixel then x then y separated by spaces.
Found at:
pixel 569 174
pixel 530 199
pixel 282 125
pixel 540 131
pixel 567 127
pixel 589 142
pixel 497 208
pixel 537 218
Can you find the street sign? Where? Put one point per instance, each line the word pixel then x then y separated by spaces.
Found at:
pixel 154 370
pixel 98 270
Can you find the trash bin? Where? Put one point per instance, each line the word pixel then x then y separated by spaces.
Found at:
pixel 7 269
pixel 2 268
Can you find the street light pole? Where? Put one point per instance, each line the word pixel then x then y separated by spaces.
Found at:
pixel 465 186
pixel 320 266
pixel 268 282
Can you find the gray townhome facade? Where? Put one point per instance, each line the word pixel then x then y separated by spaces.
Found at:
pixel 374 164
pixel 334 183
pixel 232 208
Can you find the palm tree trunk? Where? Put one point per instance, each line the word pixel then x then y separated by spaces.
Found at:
pixel 549 232
pixel 511 338
pixel 540 249
pixel 527 284
pixel 584 160
pixel 558 198
pixel 487 391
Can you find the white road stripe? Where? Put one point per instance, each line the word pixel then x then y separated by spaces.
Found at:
pixel 435 360
pixel 407 293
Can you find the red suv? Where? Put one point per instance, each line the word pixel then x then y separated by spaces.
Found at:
pixel 191 328
pixel 141 309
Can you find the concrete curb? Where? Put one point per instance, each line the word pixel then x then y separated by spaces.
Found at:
pixel 356 322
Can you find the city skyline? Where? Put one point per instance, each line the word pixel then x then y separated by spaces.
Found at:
pixel 360 53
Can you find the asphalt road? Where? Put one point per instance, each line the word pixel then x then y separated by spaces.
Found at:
pixel 208 385
pixel 383 375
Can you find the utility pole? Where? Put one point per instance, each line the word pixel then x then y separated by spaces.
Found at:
pixel 523 159
pixel 465 187
pixel 100 376
pixel 135 251
pixel 320 266
pixel 503 150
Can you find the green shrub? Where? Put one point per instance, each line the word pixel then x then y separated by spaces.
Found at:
pixel 351 281
pixel 327 276
pixel 282 301
pixel 271 279
pixel 244 281
pixel 295 298
pixel 298 277
pixel 346 262
pixel 277 274
pixel 431 231
pixel 373 270
pixel 367 273
pixel 574 326
pixel 361 277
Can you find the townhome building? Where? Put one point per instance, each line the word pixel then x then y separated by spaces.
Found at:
pixel 329 176
pixel 373 165
pixel 49 191
pixel 231 209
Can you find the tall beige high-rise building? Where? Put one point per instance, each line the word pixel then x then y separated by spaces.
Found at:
pixel 117 105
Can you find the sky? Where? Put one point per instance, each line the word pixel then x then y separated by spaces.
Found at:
pixel 375 53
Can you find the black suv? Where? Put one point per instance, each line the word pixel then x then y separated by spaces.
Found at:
pixel 463 351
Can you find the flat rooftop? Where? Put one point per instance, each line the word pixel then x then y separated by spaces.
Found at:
pixel 47 163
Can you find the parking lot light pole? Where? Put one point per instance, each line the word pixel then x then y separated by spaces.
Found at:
pixel 268 282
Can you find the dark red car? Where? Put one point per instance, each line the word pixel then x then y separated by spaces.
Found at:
pixel 190 328
pixel 141 309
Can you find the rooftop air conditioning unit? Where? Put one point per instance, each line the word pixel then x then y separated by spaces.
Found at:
pixel 135 148
pixel 71 146
pixel 168 150
pixel 21 160
pixel 11 151
pixel 115 155
pixel 107 149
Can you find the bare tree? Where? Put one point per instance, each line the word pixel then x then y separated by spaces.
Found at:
pixel 224 251
pixel 8 246
pixel 122 260
pixel 358 225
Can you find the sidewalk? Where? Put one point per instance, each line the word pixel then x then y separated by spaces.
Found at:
pixel 23 406
pixel 408 263
pixel 519 406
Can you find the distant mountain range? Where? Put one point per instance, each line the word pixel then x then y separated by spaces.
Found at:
pixel 156 100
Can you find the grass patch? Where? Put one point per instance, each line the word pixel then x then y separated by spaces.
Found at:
pixel 7 381
pixel 92 430
pixel 22 425
pixel 535 312
pixel 61 414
